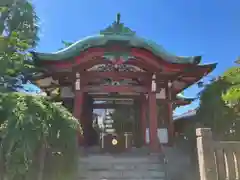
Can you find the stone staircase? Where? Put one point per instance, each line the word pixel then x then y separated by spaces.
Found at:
pixel 121 167
pixel 179 164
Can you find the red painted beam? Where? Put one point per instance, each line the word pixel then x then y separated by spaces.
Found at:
pixel 158 61
pixel 89 64
pixel 116 75
pixel 88 55
pixel 146 56
pixel 109 106
pixel 141 64
pixel 110 89
pixel 139 53
pixel 176 101
pixel 198 71
pixel 94 53
pixel 115 96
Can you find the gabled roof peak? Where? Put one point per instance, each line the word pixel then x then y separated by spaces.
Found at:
pixel 117 28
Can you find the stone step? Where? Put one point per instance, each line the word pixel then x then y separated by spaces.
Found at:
pixel 121 166
pixel 103 167
pixel 122 175
pixel 119 159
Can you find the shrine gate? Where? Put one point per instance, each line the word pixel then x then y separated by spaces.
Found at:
pixel 118 64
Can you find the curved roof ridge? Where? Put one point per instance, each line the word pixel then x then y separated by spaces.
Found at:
pixel 117 32
pixel 74 44
pixel 101 40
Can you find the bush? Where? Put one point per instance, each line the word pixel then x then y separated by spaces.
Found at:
pixel 38 138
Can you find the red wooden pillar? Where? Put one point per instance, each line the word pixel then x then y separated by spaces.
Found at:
pixel 78 106
pixel 143 118
pixel 77 111
pixel 170 114
pixel 153 123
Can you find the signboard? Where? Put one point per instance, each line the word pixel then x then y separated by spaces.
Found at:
pixel 162 135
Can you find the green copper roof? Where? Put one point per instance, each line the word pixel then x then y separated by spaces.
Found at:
pixel 118 33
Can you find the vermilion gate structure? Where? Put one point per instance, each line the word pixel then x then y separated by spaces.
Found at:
pixel 119 64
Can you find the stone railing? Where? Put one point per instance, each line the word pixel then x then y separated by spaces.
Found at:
pixel 217 159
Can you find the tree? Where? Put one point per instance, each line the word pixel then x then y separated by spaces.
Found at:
pixel 18 34
pixel 38 138
pixel 215 110
pixel 232 96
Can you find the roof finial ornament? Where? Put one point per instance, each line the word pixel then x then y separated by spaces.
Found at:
pixel 117 28
pixel 118 18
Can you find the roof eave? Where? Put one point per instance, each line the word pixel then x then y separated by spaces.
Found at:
pixel 211 67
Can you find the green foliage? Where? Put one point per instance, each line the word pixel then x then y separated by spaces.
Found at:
pixel 19 16
pixel 232 96
pixel 219 104
pixel 37 137
pixel 29 123
pixel 13 59
pixel 18 34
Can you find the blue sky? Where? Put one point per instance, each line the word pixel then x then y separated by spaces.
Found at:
pixel 210 28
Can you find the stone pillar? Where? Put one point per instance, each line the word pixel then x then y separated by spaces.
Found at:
pixel 143 118
pixel 206 155
pixel 78 105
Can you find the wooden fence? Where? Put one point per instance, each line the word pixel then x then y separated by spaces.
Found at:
pixel 218 160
